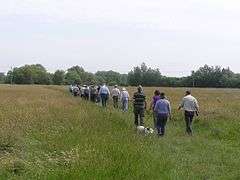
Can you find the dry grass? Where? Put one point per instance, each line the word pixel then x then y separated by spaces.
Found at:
pixel 47 134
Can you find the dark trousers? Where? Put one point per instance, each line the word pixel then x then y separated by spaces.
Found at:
pixel 104 98
pixel 154 119
pixel 86 96
pixel 125 105
pixel 93 97
pixel 115 101
pixel 139 116
pixel 161 123
pixel 189 115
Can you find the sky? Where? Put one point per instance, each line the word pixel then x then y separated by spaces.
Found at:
pixel 176 36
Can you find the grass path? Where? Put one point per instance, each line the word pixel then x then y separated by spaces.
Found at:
pixel 48 134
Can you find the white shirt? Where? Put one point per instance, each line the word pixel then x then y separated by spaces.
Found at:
pixel 189 103
pixel 124 95
pixel 115 92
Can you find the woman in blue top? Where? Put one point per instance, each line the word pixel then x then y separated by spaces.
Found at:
pixel 163 112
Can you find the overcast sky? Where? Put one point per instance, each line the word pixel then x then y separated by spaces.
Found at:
pixel 176 36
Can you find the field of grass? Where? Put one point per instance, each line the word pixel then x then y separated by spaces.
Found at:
pixel 45 133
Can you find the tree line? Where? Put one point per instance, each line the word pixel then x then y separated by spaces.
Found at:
pixel 206 76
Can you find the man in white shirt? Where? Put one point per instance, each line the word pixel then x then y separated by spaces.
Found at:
pixel 124 99
pixel 190 105
pixel 115 96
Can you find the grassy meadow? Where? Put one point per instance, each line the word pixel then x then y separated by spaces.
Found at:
pixel 45 133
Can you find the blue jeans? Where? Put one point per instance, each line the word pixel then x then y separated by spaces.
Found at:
pixel 104 98
pixel 125 105
pixel 161 123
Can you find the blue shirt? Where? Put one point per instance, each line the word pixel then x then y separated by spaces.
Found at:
pixel 163 107
pixel 104 90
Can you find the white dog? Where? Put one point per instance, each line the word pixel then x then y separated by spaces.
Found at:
pixel 143 130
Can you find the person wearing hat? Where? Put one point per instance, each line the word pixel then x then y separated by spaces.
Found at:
pixel 190 106
pixel 93 93
pixel 139 106
pixel 115 96
pixel 163 112
pixel 104 94
pixel 124 99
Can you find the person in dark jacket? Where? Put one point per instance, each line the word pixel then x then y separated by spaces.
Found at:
pixel 139 106
pixel 155 98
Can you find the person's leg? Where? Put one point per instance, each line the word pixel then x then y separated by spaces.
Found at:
pixel 103 100
pixel 114 101
pixel 125 105
pixel 122 105
pixel 106 99
pixel 155 120
pixel 158 124
pixel 136 118
pixel 141 113
pixel 116 105
pixel 164 122
pixel 95 98
pixel 191 116
pixel 187 120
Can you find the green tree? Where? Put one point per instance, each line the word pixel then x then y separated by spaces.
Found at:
pixel 2 78
pixel 58 77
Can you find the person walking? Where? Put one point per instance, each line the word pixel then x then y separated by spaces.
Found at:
pixel 155 98
pixel 93 93
pixel 75 90
pixel 124 99
pixel 104 94
pixel 115 96
pixel 190 106
pixel 163 112
pixel 139 106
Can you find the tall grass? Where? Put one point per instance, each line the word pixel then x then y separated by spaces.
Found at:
pixel 47 134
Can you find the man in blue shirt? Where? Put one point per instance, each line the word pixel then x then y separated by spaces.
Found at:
pixel 104 94
pixel 163 111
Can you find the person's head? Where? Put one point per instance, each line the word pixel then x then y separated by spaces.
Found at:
pixel 162 95
pixel 157 93
pixel 123 89
pixel 116 86
pixel 140 89
pixel 188 92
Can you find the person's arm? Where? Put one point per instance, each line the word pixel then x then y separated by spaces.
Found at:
pixel 145 104
pixel 156 107
pixel 100 91
pixel 119 94
pixel 181 105
pixel 151 105
pixel 196 106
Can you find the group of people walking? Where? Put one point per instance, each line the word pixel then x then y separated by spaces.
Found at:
pixel 161 108
pixel 160 105
pixel 101 95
